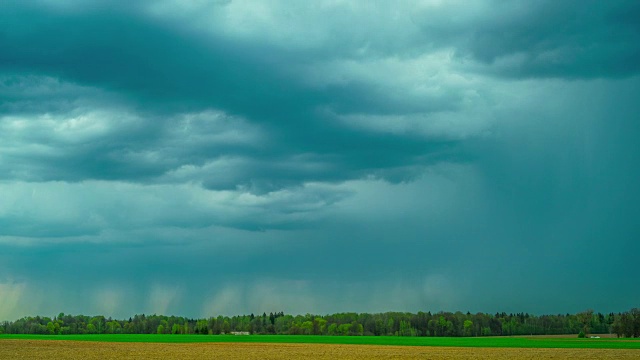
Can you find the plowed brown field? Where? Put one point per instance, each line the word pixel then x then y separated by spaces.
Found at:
pixel 59 350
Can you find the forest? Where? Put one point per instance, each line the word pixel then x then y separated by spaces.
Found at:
pixel 625 324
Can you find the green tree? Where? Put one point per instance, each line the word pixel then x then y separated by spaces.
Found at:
pixel 333 329
pixel 57 329
pixel 468 328
pixel 635 315
pixel 343 329
pixel 307 327
pixel 356 329
pixel 201 327
pixel 319 326
pixel 585 318
pixel 99 323
pixel 444 326
pixel 50 328
pixel 113 327
pixel 406 329
pixel 160 329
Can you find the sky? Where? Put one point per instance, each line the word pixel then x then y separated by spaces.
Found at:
pixel 236 157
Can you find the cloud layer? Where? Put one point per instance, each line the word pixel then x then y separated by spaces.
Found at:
pixel 317 157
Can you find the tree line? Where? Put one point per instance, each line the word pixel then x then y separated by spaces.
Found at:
pixel 625 324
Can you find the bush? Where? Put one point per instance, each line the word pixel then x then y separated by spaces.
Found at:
pixel 582 335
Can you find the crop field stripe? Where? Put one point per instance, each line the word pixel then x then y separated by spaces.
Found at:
pixel 503 342
pixel 90 350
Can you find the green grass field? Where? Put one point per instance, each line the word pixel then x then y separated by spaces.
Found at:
pixel 510 342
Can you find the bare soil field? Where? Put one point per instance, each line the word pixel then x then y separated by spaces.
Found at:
pixel 60 350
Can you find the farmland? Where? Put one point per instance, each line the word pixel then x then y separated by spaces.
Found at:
pixel 11 348
pixel 485 342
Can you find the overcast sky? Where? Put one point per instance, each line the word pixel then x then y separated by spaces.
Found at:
pixel 229 157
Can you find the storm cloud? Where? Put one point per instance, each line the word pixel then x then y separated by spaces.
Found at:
pixel 236 157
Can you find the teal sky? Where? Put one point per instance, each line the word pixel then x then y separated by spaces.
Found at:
pixel 228 157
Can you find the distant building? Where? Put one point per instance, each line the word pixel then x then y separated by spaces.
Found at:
pixel 239 333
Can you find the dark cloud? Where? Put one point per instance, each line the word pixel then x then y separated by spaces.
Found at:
pixel 170 73
pixel 586 39
pixel 317 158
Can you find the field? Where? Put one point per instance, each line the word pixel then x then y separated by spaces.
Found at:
pixel 488 342
pixel 73 349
